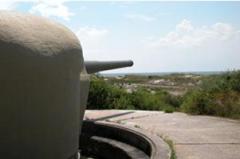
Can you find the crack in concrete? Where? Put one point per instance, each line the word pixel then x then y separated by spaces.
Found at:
pixel 137 117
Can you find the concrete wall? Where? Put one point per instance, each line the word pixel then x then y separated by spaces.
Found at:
pixel 111 140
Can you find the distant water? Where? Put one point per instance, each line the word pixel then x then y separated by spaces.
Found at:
pixel 160 73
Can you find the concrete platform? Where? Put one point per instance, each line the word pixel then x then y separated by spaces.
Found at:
pixel 194 137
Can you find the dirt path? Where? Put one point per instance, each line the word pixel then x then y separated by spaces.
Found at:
pixel 194 137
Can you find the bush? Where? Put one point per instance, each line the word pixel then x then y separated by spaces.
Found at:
pixel 196 102
pixel 106 96
pixel 218 95
pixel 98 94
pixel 168 109
pixel 145 100
pixel 226 104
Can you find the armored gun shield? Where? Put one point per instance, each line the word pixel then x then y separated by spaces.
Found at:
pixel 43 88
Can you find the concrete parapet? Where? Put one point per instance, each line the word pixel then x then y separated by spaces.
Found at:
pixel 105 140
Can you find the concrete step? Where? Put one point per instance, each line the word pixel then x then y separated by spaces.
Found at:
pixel 106 148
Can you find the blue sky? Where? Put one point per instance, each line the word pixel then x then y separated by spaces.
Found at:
pixel 157 36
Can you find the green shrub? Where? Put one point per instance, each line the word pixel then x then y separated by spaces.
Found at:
pixel 106 96
pixel 168 109
pixel 144 100
pixel 98 94
pixel 218 95
pixel 196 102
pixel 226 104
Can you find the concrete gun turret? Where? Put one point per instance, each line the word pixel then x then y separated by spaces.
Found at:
pixel 44 85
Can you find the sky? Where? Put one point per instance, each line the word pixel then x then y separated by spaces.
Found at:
pixel 158 36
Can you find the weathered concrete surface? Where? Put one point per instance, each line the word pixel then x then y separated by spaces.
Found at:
pixel 40 63
pixel 194 137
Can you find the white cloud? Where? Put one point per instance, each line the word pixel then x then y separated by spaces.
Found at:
pixel 47 8
pixel 140 17
pixel 194 48
pixel 52 9
pixel 10 4
pixel 185 25
pixel 186 35
pixel 6 5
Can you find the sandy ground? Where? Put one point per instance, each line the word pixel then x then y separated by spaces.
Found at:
pixel 194 137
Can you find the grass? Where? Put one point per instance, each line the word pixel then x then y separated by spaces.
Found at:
pixel 171 146
pixel 137 126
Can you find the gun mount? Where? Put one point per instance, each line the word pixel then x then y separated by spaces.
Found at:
pixel 44 84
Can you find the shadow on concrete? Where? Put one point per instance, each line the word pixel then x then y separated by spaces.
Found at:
pixel 113 116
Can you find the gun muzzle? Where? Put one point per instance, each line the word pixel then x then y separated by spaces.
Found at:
pixel 97 66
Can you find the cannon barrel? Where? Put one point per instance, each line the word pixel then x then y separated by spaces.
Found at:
pixel 97 66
